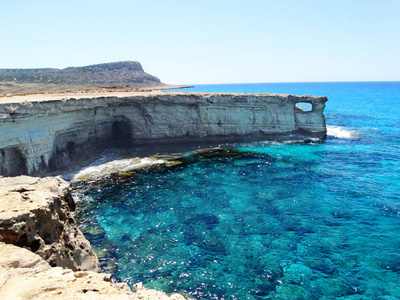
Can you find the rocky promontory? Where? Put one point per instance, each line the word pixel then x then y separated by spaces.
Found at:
pixel 124 75
pixel 124 72
pixel 43 254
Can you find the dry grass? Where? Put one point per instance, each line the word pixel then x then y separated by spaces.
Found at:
pixel 8 89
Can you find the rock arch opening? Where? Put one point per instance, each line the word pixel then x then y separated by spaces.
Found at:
pixel 304 106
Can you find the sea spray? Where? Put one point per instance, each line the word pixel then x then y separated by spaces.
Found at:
pixel 341 132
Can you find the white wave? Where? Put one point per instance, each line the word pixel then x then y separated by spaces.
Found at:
pixel 94 172
pixel 342 133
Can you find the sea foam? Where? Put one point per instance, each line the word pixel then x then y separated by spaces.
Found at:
pixel 342 133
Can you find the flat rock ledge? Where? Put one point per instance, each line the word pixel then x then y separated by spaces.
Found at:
pixel 43 254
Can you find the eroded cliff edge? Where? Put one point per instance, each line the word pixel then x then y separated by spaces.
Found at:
pixel 38 214
pixel 42 132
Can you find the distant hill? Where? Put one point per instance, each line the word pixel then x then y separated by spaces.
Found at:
pixel 116 73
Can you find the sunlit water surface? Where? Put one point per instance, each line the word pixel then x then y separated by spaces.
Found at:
pixel 296 220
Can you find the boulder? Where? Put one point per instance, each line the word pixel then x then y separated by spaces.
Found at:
pixel 37 214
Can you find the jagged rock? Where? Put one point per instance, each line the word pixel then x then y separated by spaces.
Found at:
pixel 43 254
pixel 25 275
pixel 36 128
pixel 35 213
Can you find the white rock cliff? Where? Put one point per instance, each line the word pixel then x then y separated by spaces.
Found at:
pixel 39 133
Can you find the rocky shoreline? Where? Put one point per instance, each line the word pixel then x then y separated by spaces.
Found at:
pixel 42 247
pixel 43 254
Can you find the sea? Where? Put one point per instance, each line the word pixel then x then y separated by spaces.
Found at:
pixel 294 218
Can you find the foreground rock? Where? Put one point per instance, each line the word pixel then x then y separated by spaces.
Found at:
pixel 37 213
pixel 25 275
pixel 43 254
pixel 47 132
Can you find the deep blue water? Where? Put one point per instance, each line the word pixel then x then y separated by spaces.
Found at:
pixel 315 220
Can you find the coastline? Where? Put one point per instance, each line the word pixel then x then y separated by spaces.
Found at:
pixel 43 133
pixel 42 257
pixel 19 114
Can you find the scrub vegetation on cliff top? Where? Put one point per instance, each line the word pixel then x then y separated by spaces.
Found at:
pixel 116 75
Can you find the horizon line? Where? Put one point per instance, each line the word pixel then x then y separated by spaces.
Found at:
pixel 333 81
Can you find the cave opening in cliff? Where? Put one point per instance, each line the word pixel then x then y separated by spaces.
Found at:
pixel 121 133
pixel 12 162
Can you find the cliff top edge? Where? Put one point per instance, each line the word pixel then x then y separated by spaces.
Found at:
pixel 45 97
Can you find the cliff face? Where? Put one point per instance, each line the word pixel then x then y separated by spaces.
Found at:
pixel 37 135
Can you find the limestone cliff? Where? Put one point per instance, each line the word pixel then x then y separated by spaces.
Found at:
pixel 43 132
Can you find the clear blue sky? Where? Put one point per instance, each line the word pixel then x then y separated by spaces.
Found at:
pixel 209 41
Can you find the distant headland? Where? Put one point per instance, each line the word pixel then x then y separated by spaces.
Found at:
pixel 124 75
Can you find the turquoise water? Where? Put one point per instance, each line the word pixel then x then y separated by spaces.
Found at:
pixel 296 220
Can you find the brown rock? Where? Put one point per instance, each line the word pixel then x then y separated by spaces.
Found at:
pixel 36 213
pixel 25 275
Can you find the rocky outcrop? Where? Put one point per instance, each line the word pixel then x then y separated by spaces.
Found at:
pixel 44 133
pixel 37 214
pixel 43 255
pixel 126 168
pixel 25 275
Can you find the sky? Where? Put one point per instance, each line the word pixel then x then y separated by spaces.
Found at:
pixel 209 41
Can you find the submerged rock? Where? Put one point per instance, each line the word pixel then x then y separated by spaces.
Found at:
pixel 130 167
pixel 295 272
